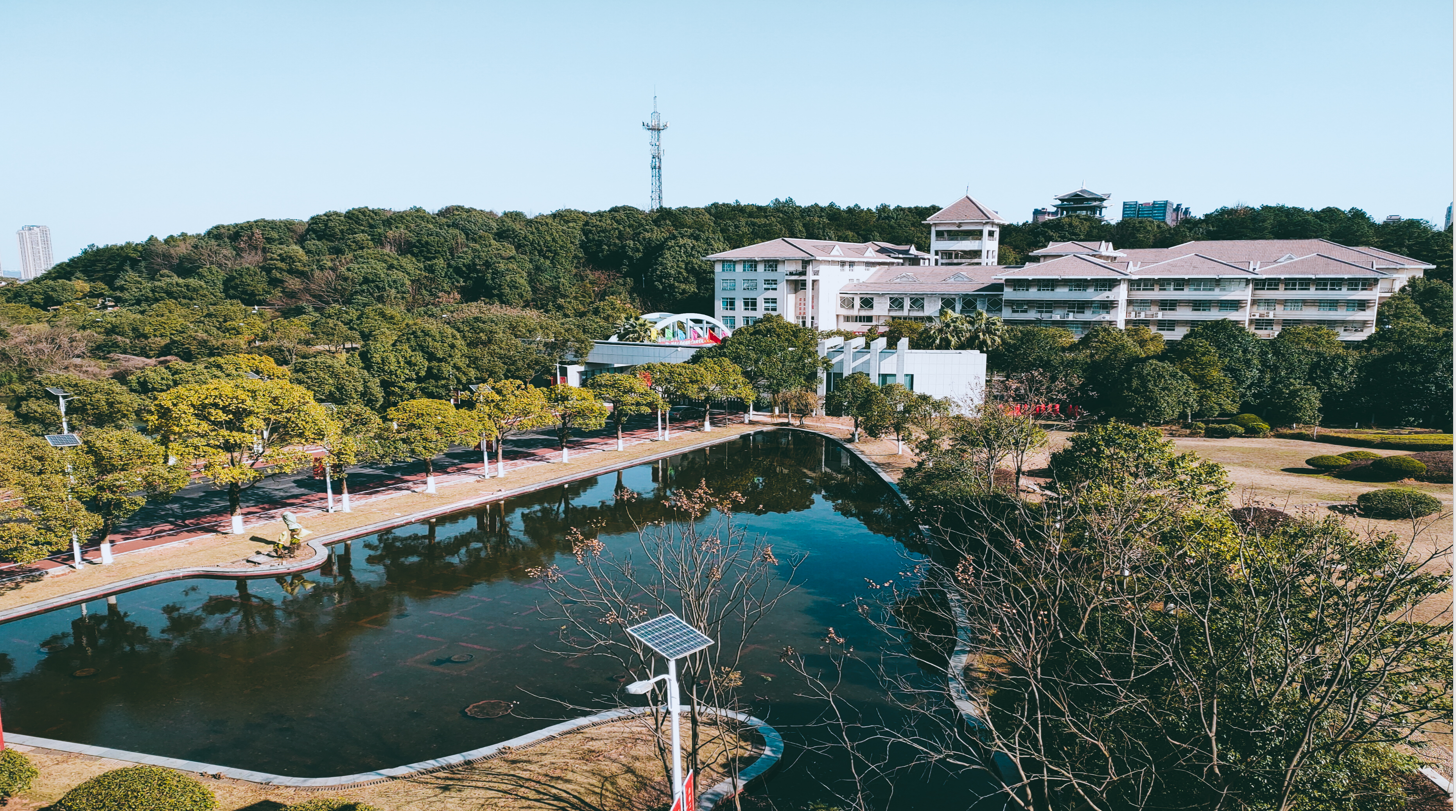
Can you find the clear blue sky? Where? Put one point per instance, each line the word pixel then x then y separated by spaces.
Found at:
pixel 129 119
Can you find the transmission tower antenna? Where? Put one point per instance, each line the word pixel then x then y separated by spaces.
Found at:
pixel 656 126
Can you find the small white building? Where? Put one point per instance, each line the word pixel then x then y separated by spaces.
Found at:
pixel 959 375
pixel 964 233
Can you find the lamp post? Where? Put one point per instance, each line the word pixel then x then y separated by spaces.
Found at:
pixel 672 639
pixel 63 396
pixel 484 442
pixel 61 442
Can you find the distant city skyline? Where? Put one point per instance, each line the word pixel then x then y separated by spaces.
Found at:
pixel 1264 101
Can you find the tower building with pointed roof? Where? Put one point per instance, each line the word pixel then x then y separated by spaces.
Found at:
pixel 1082 201
pixel 964 233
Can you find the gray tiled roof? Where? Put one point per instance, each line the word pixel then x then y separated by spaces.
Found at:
pixel 1068 248
pixel 1192 265
pixel 1319 265
pixel 966 209
pixel 1265 251
pixel 930 279
pixel 789 248
pixel 1075 266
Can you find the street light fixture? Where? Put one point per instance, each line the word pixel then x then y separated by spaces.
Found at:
pixel 672 639
pixel 61 442
pixel 63 396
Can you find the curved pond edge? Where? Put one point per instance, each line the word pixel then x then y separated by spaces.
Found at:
pixel 769 753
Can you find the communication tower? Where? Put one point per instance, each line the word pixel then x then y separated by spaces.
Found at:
pixel 656 126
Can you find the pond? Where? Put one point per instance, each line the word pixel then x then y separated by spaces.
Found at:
pixel 369 661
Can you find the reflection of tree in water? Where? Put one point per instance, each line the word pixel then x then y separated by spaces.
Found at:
pixel 851 487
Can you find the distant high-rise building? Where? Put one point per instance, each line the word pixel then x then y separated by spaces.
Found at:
pixel 35 250
pixel 1170 213
pixel 1448 215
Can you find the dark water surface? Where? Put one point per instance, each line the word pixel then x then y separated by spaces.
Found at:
pixel 349 667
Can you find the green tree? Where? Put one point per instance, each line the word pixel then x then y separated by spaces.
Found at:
pixel 424 429
pixel 573 409
pixel 354 436
pixel 93 404
pixel 628 396
pixel 911 411
pixel 858 398
pixel 338 380
pixel 713 379
pixel 42 509
pixel 1199 361
pixel 122 470
pixel 508 408
pixel 289 334
pixel 1244 354
pixel 774 356
pixel 1026 349
pixel 636 330
pixel 241 430
pixel 1158 393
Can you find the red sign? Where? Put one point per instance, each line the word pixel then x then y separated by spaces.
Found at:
pixel 688 800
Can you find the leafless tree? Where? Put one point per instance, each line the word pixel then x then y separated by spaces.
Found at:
pixel 41 349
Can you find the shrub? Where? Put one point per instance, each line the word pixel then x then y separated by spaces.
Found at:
pixel 1246 420
pixel 1256 430
pixel 1261 520
pixel 1197 428
pixel 1397 502
pixel 1356 456
pixel 16 773
pixel 331 804
pixel 139 788
pixel 1394 442
pixel 1438 466
pixel 1399 467
pixel 1327 462
pixel 1223 431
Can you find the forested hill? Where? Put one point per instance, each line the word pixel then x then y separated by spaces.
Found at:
pixel 576 264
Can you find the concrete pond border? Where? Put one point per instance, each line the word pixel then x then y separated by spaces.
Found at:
pixel 769 754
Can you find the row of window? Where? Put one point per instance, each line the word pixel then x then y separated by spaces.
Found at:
pixel 1315 284
pixel 1075 285
pixel 917 303
pixel 961 236
pixel 1047 307
pixel 1196 285
pixel 1267 324
pixel 732 323
pixel 750 284
pixel 1195 306
pixel 750 305
pixel 1329 306
pixel 833 379
pixel 771 266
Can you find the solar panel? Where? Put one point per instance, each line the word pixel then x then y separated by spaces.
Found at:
pixel 58 392
pixel 670 636
pixel 63 440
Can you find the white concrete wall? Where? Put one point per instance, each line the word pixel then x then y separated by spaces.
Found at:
pixel 959 375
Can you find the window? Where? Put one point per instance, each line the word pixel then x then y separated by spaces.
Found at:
pixel 1266 284
pixel 1358 305
pixel 1228 306
pixel 770 305
pixel 728 321
pixel 729 305
pixel 1046 285
pixel 727 267
pixel 730 284
pixel 1202 306
pixel 991 233
pixel 1102 307
pixel 1143 284
pixel 770 284
pixel 967 304
pixel 1202 285
pixel 1361 284
pixel 1144 324
pixel 1167 326
pixel 1357 326
pixel 846 302
pixel 1044 307
pixel 833 382
pixel 917 304
pixel 1167 304
pixel 1020 285
pixel 886 380
pixel 1078 307
pixel 958 236
pixel 866 302
pixel 1018 307
pixel 1077 285
pixel 771 267
pixel 1294 304
pixel 749 321
pixel 1263 324
pixel 1102 285
pixel 1231 284
pixel 750 267
pixel 750 305
pixel 750 284
pixel 859 319
pixel 1140 304
pixel 1296 284
pixel 1170 284
pixel 804 264
pixel 897 302
pixel 1329 306
pixel 1264 304
pixel 1329 284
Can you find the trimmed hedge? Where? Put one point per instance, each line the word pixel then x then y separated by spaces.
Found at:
pixel 1327 462
pixel 1397 502
pixel 1246 420
pixel 16 773
pixel 1223 431
pixel 331 804
pixel 1356 456
pixel 139 788
pixel 1399 467
pixel 1393 442
pixel 1258 430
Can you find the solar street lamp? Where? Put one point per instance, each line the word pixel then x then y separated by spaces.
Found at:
pixel 61 442
pixel 672 639
pixel 63 396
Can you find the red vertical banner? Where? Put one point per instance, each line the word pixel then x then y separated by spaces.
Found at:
pixel 690 795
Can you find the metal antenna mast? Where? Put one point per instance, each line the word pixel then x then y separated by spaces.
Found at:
pixel 656 126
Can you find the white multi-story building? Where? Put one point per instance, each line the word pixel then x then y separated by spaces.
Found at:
pixel 964 233
pixel 35 250
pixel 796 279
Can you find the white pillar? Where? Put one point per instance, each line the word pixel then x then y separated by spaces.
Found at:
pixel 345 499
pixel 329 485
pixel 674 708
pixel 659 423
pixel 485 456
pixel 565 453
pixel 105 551
pixel 237 523
pixel 76 550
pixel 430 483
pixel 500 454
pixel 619 440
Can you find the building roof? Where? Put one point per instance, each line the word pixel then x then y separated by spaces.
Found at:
pixel 1084 194
pixel 1193 264
pixel 1319 265
pixel 790 248
pixel 966 209
pixel 1268 251
pixel 929 279
pixel 1069 248
pixel 1076 266
pixel 899 250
